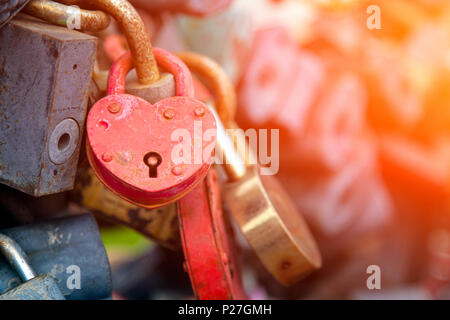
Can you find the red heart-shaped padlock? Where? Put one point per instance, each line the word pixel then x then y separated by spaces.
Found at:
pixel 148 154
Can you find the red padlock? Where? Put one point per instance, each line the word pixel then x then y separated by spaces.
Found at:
pixel 131 143
pixel 207 244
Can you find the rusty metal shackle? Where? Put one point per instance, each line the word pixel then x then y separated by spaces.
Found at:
pixel 138 39
pixel 170 62
pixel 59 14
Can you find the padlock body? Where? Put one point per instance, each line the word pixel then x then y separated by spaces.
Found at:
pixel 273 226
pixel 57 247
pixel 179 132
pixel 40 288
pixel 45 78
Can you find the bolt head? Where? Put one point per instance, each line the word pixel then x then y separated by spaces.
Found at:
pixel 169 113
pixel 177 170
pixel 199 111
pixel 114 107
pixel 107 157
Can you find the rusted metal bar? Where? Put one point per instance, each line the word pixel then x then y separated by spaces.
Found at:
pixel 60 14
pixel 134 29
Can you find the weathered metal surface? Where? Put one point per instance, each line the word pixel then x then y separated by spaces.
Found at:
pixel 39 288
pixel 160 225
pixel 157 274
pixel 45 74
pixel 67 16
pixel 133 26
pixel 225 37
pixel 208 244
pixel 9 8
pixel 164 87
pixel 33 287
pixel 54 247
pixel 272 225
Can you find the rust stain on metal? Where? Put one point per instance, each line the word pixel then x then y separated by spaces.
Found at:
pixel 137 37
pixel 60 14
pixel 37 97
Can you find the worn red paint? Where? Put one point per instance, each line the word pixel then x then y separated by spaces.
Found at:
pixel 139 128
pixel 116 81
pixel 207 244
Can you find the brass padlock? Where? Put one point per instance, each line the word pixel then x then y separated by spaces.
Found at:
pixel 266 215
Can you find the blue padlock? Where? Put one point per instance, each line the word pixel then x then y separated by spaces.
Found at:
pixel 70 250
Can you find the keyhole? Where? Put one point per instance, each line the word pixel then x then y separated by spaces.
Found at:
pixel 152 160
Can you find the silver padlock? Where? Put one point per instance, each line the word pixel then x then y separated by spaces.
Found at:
pixel 35 287
pixel 45 78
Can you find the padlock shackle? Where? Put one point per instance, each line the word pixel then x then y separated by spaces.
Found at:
pixel 216 81
pixel 233 163
pixel 118 73
pixel 120 68
pixel 60 14
pixel 16 257
pixel 220 86
pixel 138 39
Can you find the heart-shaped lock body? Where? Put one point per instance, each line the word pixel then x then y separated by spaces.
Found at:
pixel 148 154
